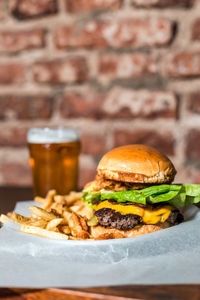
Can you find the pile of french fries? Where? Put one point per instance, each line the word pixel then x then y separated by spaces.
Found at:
pixel 58 217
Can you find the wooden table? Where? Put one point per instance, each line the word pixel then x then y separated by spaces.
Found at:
pixel 10 195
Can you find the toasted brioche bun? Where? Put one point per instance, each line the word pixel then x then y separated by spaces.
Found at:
pixel 136 163
pixel 101 233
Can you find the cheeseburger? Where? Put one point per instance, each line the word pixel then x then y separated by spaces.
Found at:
pixel 133 193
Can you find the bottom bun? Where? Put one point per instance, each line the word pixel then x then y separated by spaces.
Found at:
pixel 101 233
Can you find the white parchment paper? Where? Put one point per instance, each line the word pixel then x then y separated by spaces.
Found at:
pixel 170 256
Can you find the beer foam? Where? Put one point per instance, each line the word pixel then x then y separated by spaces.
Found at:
pixel 52 135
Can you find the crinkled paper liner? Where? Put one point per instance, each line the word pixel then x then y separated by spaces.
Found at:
pixel 170 256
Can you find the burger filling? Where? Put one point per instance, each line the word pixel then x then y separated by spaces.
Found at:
pixel 108 217
pixel 113 185
pixel 126 205
pixel 125 217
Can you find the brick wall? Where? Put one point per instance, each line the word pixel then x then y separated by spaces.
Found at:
pixel 121 71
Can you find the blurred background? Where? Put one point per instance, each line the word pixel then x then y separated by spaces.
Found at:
pixel 121 71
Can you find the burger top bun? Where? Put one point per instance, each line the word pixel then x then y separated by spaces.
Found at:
pixel 136 163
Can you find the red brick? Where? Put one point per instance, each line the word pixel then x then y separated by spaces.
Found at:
pixel 193 102
pixel 13 137
pixel 26 107
pixel 14 173
pixel 93 144
pixel 196 30
pixel 75 105
pixel 115 34
pixel 183 175
pixel 69 70
pixel 187 174
pixel 182 64
pixel 119 103
pixel 162 142
pixel 14 41
pixel 1 9
pixel 193 146
pixel 86 6
pixel 126 103
pixel 25 9
pixel 163 3
pixel 11 73
pixel 126 65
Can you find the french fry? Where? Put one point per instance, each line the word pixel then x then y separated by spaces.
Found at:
pixel 73 197
pixel 67 215
pixel 37 223
pixel 83 223
pixel 59 199
pixel 87 212
pixel 42 213
pixel 58 207
pixel 53 211
pixel 77 206
pixel 82 210
pixel 17 218
pixel 49 199
pixel 64 228
pixel 39 199
pixel 74 238
pixel 51 194
pixel 75 227
pixel 59 217
pixel 4 219
pixel 43 232
pixel 53 223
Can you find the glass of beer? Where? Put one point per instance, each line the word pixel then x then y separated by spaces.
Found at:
pixel 54 157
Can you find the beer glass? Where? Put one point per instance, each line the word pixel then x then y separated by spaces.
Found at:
pixel 54 157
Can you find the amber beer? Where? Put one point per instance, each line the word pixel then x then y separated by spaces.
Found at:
pixel 54 157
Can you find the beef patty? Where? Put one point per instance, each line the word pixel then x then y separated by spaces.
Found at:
pixel 108 217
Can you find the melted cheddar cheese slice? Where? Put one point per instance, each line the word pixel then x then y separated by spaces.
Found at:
pixel 148 216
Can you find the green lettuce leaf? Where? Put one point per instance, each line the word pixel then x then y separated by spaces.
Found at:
pixel 188 195
pixel 89 197
pixel 176 195
pixel 124 196
pixel 162 197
